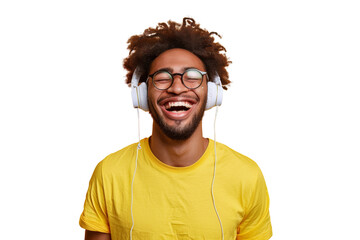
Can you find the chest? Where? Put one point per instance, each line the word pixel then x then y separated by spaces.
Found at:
pixel 167 206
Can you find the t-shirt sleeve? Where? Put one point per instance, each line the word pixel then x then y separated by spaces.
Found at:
pixel 256 223
pixel 94 217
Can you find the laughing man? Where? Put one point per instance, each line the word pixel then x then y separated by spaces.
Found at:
pixel 176 184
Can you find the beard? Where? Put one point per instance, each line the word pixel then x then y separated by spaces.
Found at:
pixel 178 132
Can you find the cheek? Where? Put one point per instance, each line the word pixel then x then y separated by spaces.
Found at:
pixel 150 93
pixel 152 97
pixel 202 93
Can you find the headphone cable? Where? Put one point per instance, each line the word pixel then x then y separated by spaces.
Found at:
pixel 133 178
pixel 213 180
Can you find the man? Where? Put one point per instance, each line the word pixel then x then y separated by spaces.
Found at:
pixel 177 184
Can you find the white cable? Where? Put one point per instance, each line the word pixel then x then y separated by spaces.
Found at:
pixel 213 180
pixel 133 178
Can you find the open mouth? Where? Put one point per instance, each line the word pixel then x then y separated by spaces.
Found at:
pixel 177 107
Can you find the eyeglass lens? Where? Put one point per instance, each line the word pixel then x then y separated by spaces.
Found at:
pixel 191 79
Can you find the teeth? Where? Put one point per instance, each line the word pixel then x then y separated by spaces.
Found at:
pixel 178 104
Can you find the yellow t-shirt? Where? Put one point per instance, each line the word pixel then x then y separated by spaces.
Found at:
pixel 176 202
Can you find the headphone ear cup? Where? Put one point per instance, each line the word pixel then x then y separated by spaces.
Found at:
pixel 139 96
pixel 214 95
pixel 143 97
pixel 139 92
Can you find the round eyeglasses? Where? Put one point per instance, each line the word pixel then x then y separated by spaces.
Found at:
pixel 192 78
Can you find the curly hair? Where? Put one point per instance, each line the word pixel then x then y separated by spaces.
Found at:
pixel 146 47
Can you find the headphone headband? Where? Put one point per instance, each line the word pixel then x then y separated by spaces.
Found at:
pixel 135 77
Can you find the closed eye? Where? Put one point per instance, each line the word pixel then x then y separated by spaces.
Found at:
pixel 162 80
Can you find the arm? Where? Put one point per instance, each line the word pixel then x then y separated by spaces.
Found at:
pixel 256 223
pixel 90 235
pixel 94 217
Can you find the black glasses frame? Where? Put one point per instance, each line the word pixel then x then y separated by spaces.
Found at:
pixel 179 74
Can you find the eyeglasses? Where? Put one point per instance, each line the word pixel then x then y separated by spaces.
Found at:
pixel 192 78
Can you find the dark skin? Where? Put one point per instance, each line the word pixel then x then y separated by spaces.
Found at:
pixel 177 153
pixel 90 235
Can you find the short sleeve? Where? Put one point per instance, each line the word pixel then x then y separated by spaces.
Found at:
pixel 94 217
pixel 256 223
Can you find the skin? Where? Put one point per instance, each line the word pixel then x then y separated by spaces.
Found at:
pixel 173 152
pixel 89 235
pixel 177 153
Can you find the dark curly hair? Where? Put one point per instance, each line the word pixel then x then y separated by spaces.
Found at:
pixel 146 47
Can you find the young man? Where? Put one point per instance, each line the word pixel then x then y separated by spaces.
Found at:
pixel 177 184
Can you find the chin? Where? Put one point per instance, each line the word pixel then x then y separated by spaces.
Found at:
pixel 179 132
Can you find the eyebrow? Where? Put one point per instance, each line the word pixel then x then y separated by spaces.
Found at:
pixel 171 70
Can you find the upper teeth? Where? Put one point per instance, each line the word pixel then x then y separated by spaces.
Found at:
pixel 178 104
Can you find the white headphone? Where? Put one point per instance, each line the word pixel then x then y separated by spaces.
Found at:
pixel 139 92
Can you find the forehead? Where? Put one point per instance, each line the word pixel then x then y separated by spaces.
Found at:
pixel 176 60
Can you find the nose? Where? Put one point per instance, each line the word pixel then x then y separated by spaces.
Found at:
pixel 177 87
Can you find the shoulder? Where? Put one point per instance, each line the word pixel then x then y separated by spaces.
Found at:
pixel 121 159
pixel 237 165
pixel 228 155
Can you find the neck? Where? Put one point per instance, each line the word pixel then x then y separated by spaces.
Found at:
pixel 178 153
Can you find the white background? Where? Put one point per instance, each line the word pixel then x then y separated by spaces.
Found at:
pixel 293 106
